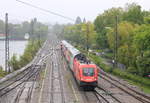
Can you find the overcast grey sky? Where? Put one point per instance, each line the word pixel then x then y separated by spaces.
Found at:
pixel 71 8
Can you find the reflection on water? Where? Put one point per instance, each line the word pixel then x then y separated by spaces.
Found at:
pixel 16 47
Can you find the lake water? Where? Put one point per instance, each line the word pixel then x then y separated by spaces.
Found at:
pixel 16 47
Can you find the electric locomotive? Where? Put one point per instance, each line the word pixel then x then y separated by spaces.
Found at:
pixel 85 72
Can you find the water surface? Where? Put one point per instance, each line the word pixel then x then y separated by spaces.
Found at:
pixel 16 47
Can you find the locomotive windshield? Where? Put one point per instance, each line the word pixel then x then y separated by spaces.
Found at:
pixel 88 71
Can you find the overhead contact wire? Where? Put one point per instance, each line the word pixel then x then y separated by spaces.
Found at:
pixel 48 11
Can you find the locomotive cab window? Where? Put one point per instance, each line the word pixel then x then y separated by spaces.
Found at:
pixel 88 71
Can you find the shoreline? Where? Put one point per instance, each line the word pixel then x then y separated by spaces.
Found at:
pixel 15 39
pixel 16 47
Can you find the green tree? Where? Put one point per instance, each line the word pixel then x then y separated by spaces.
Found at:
pixel 17 31
pixel 141 42
pixel 107 19
pixel 73 33
pixel 2 27
pixel 29 53
pixel 125 39
pixel 58 29
pixel 89 34
pixel 79 34
pixel 133 13
pixel 147 20
pixel 78 20
pixel 14 63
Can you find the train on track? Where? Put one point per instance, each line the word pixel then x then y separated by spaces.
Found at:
pixel 84 71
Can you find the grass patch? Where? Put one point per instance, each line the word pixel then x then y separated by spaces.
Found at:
pixel 145 89
pixel 2 73
pixel 108 55
pixel 98 50
pixel 141 82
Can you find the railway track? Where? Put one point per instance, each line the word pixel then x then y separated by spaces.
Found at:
pixel 23 87
pixel 23 78
pixel 57 90
pixel 61 79
pixel 104 96
pixel 52 82
pixel 97 96
pixel 90 97
pixel 122 87
pixel 12 89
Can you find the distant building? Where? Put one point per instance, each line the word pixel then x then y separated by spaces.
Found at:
pixel 2 36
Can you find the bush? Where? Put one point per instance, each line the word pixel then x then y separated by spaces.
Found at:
pixel 132 70
pixel 14 62
pixel 2 73
pixel 29 53
pixel 123 74
pixel 134 78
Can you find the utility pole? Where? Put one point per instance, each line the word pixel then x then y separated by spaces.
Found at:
pixel 39 37
pixel 116 42
pixel 32 29
pixel 87 37
pixel 7 68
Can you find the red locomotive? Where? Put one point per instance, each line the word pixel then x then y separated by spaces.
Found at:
pixel 85 72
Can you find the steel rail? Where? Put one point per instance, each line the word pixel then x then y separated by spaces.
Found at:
pixel 22 70
pixel 60 78
pixel 52 81
pixel 96 93
pixel 126 91
pixel 99 87
pixel 98 97
pixel 11 75
pixel 143 95
pixel 16 100
pixel 32 74
pixel 16 79
pixel 29 91
pixel 32 87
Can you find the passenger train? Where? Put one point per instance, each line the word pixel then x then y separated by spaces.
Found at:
pixel 84 71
